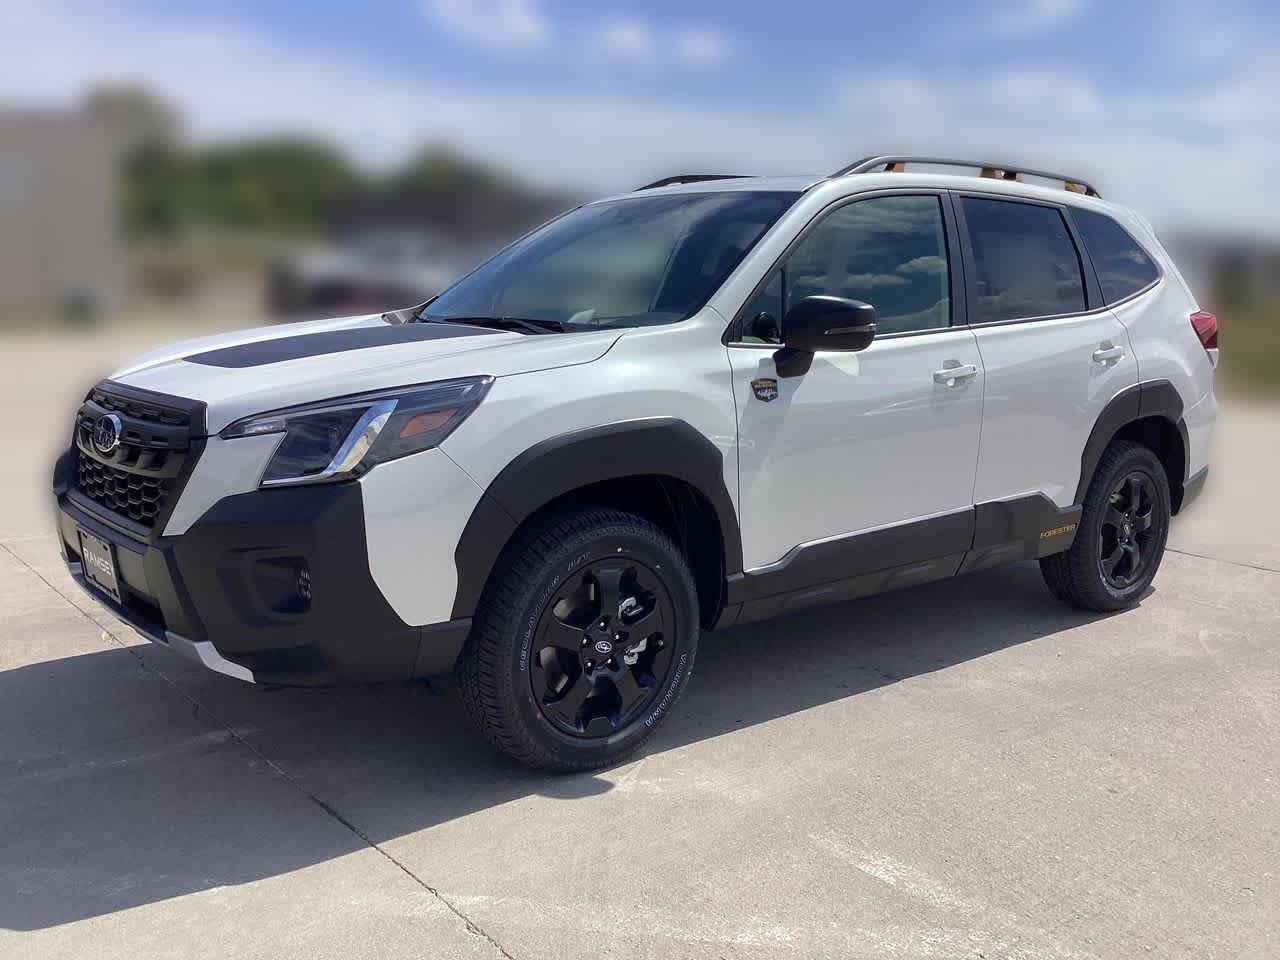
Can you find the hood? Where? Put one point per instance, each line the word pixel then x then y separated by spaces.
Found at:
pixel 253 371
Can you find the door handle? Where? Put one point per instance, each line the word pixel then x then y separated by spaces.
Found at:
pixel 950 376
pixel 1107 354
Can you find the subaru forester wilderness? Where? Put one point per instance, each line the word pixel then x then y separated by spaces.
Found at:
pixel 710 401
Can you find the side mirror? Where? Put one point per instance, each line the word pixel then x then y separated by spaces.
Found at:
pixel 823 323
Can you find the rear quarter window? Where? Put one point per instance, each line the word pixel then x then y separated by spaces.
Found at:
pixel 1123 267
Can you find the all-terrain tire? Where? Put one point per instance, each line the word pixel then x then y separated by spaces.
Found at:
pixel 1079 576
pixel 543 561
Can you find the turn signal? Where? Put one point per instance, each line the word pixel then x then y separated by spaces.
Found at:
pixel 425 423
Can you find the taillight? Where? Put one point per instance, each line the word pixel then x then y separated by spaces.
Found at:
pixel 1205 325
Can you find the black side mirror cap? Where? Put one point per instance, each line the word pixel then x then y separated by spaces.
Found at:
pixel 823 323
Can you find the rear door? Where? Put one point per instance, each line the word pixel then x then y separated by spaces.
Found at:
pixel 1054 355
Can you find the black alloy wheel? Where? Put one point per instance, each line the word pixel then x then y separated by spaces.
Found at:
pixel 1119 542
pixel 1128 530
pixel 601 653
pixel 583 640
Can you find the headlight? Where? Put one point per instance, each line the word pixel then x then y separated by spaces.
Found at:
pixel 343 438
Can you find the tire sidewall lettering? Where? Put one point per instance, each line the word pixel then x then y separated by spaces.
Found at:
pixel 528 629
pixel 530 626
pixel 673 689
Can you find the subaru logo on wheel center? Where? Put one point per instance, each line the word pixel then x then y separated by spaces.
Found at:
pixel 604 647
pixel 106 433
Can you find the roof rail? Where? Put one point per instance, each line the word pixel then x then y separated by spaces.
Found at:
pixel 992 171
pixel 691 178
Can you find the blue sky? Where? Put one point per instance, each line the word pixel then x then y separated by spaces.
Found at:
pixel 1152 100
pixel 774 50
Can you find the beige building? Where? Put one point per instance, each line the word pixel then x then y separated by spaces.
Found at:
pixel 59 246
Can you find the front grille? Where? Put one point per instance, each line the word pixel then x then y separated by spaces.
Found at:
pixel 137 496
pixel 136 409
pixel 140 479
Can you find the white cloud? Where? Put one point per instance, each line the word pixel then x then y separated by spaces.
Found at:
pixel 700 46
pixel 499 24
pixel 1199 154
pixel 925 265
pixel 626 38
pixel 1022 17
pixel 629 38
pixel 1145 148
pixel 230 81
pixel 871 280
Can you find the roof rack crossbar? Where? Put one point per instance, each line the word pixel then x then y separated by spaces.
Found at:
pixel 997 171
pixel 691 178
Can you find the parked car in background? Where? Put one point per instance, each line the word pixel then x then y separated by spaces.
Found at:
pixel 372 269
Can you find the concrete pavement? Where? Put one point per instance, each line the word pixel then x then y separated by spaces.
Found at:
pixel 960 770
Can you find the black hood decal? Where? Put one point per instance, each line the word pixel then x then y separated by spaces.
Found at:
pixel 282 349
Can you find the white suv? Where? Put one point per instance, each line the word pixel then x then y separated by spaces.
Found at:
pixel 707 402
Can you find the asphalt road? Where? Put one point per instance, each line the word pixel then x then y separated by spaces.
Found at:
pixel 966 769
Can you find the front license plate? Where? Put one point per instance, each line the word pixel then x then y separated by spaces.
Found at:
pixel 99 564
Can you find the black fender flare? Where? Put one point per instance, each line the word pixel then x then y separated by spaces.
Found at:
pixel 1154 398
pixel 657 446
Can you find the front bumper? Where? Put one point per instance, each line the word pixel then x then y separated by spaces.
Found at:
pixel 230 592
pixel 199 651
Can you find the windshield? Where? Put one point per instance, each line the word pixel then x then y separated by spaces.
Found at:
pixel 631 262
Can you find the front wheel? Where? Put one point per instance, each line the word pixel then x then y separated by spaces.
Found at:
pixel 584 638
pixel 1123 529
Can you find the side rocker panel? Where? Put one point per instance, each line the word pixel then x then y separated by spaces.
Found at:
pixel 1026 528
pixel 660 446
pixel 811 565
pixel 903 555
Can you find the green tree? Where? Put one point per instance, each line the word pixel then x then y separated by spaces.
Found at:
pixel 156 177
pixel 442 187
pixel 279 184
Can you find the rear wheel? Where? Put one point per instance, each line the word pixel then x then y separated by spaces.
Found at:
pixel 1122 535
pixel 584 638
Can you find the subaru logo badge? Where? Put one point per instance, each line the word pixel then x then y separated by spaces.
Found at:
pixel 604 647
pixel 106 433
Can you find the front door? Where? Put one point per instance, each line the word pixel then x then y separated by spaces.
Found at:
pixel 883 438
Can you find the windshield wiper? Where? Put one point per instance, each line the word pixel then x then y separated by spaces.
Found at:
pixel 505 323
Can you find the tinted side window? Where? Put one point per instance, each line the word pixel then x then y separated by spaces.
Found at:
pixel 1123 268
pixel 1025 260
pixel 890 252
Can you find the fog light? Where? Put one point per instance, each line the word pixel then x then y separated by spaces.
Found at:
pixel 281 585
